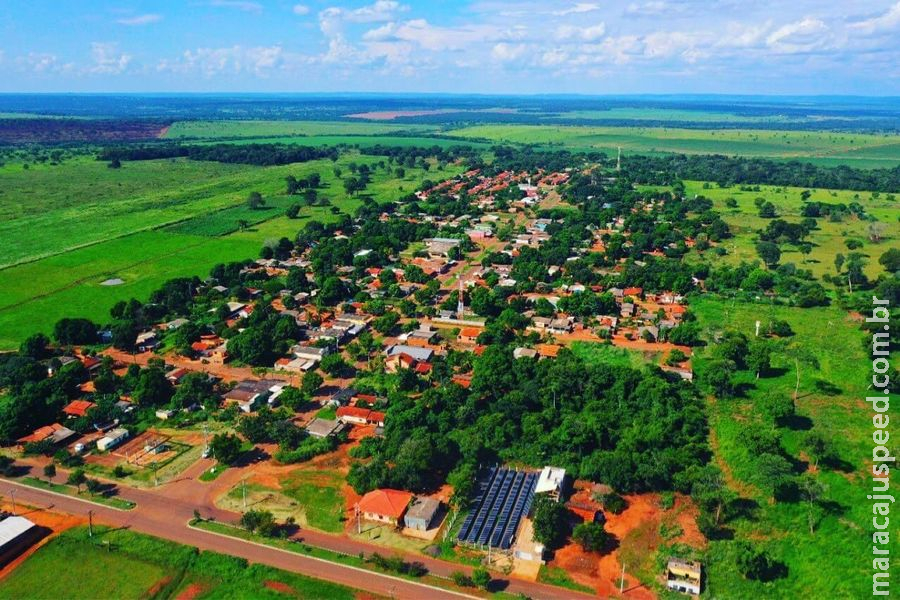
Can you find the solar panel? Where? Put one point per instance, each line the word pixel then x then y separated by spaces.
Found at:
pixel 502 497
pixel 486 507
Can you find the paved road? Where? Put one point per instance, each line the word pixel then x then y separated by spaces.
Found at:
pixel 165 512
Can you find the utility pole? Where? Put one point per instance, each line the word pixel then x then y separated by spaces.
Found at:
pixel 622 581
pixel 12 494
pixel 90 523
pixel 244 491
pixel 358 523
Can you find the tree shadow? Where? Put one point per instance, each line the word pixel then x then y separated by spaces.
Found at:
pixel 795 422
pixel 826 387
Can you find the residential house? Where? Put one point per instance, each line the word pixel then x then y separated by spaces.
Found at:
pixel 322 428
pixel 146 341
pixel 441 246
pixel 384 505
pixel 360 416
pixel 55 433
pixel 77 408
pixel 248 394
pixel 468 335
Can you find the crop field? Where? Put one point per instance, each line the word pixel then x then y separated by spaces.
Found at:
pixel 854 149
pixel 839 413
pixel 137 566
pixel 265 129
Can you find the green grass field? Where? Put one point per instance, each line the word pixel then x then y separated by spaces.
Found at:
pixel 592 353
pixel 126 565
pixel 126 236
pixel 263 129
pixel 861 150
pixel 828 239
pixel 839 540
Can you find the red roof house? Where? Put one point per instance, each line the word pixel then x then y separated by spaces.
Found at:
pixel 385 506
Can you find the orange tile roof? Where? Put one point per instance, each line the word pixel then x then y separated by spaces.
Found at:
pixel 469 332
pixel 353 411
pixel 549 350
pixel 78 408
pixel 386 502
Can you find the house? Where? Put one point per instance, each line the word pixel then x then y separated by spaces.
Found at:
pixel 551 482
pixel 164 414
pixel 175 324
pixel 77 408
pixel 441 246
pixel 17 534
pixel 627 310
pixel 176 375
pixel 468 335
pixel 322 428
pixel 684 576
pixel 248 394
pixel 649 333
pixel 524 353
pixel 384 505
pixel 312 353
pixel 112 439
pixel 146 341
pixel 55 433
pixel 548 350
pixel 421 513
pixel 360 416
pixel 342 397
pixel 423 336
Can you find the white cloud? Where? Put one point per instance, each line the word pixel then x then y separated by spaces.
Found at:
pixel 888 21
pixel 300 9
pixel 146 19
pixel 586 34
pixel 805 35
pixel 435 38
pixel 504 52
pixel 244 5
pixel 581 7
pixel 646 9
pixel 38 62
pixel 107 59
pixel 260 61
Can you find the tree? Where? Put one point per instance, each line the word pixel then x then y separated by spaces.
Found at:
pixel 890 260
pixel 259 521
pixel 481 578
pixel 777 407
pixel 800 355
pixel 772 471
pixel 50 471
pixel 255 200
pixel 226 448
pixel 292 211
pixel 592 536
pixel 817 447
pixel 77 478
pixel 755 564
pixel 812 490
pixel 759 357
pixel 769 252
pixel 717 376
pixel 333 364
pixel 711 493
pixel 153 389
pixel 551 522
pixel 312 381
pixel 35 346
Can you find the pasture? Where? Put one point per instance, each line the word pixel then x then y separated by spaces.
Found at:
pixel 853 149
pixel 831 402
pixel 270 129
pixel 828 239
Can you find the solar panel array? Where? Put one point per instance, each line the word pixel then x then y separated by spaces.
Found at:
pixel 501 499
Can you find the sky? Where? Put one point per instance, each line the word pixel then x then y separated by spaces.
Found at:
pixel 442 46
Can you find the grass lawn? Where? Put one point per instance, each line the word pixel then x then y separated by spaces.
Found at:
pixel 841 415
pixel 127 565
pixel 313 498
pixel 591 352
pixel 68 490
pixel 559 577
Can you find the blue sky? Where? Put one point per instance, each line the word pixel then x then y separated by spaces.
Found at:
pixel 484 46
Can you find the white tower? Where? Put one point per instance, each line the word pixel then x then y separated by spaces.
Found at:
pixel 460 305
pixel 619 160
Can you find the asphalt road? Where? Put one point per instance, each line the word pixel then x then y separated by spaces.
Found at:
pixel 165 512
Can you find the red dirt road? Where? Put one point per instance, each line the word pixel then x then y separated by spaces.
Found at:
pixel 166 511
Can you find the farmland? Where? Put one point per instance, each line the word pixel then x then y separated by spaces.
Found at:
pixel 139 566
pixel 144 223
pixel 853 149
